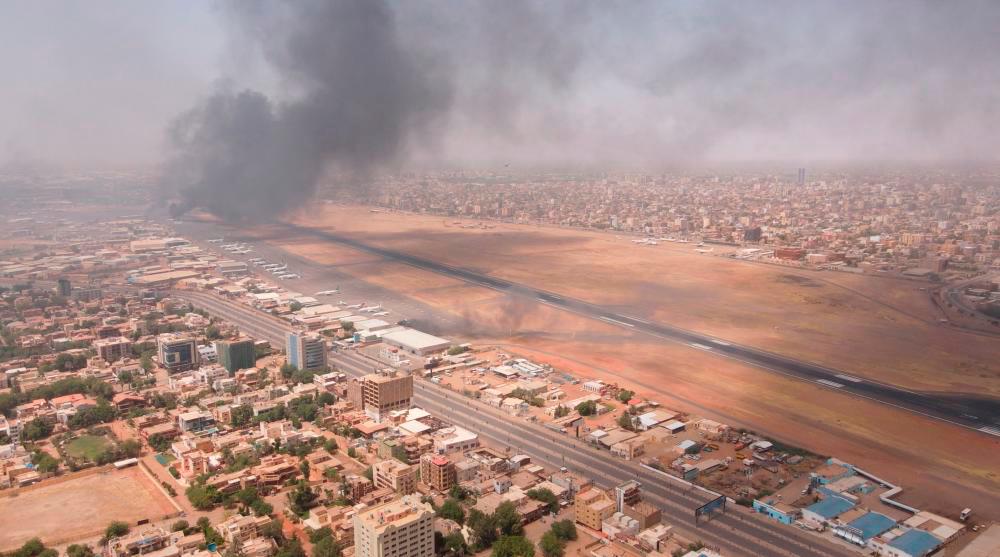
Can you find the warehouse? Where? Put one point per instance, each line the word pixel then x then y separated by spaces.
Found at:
pixel 416 342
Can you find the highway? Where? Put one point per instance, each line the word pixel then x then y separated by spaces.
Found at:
pixel 737 532
pixel 977 413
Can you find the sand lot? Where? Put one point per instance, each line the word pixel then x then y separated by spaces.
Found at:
pixel 62 510
pixel 873 327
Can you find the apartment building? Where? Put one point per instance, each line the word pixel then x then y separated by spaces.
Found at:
pixel 113 349
pixel 235 355
pixel 593 507
pixel 391 473
pixel 378 394
pixel 401 528
pixel 438 472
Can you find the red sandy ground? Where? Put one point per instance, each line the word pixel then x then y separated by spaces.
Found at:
pixel 872 327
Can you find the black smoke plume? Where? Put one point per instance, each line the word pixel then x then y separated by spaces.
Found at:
pixel 358 96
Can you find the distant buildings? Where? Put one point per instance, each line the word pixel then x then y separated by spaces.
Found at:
pixel 402 528
pixel 235 355
pixel 307 351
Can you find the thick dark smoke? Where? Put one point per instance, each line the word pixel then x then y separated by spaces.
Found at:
pixel 358 96
pixel 359 85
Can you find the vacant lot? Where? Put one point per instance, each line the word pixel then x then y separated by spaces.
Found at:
pixel 65 509
pixel 88 446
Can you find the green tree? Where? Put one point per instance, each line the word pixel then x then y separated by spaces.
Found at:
pixel 627 421
pixel 513 546
pixel 212 333
pixel 287 370
pixel 484 529
pixel 326 547
pixel 565 529
pixel 508 519
pixel 551 545
pixel 561 412
pixel 44 462
pixel 587 408
pixel 179 526
pixel 302 498
pixel 545 496
pixel 452 510
pixel 37 429
pixel 77 550
pixel 116 529
pixel 454 545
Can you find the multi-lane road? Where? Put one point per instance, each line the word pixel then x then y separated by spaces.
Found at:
pixel 977 413
pixel 737 532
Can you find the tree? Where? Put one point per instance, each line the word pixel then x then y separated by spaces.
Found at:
pixel 627 421
pixel 551 545
pixel 317 535
pixel 261 507
pixel 203 497
pixel 241 415
pixel 304 468
pixel 454 545
pixel 77 550
pixel 326 547
pixel 545 496
pixel 159 442
pixel 287 370
pixel 625 395
pixel 565 529
pixel 37 429
pixel 212 333
pixel 116 529
pixel 452 510
pixel 291 548
pixel 513 546
pixel 561 411
pixel 179 526
pixel 44 462
pixel 484 529
pixel 587 408
pixel 302 498
pixel 146 361
pixel 508 519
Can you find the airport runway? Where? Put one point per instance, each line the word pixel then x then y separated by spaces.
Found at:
pixel 980 414
pixel 976 413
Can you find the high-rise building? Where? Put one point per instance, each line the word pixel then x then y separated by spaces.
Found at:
pixel 307 351
pixel 437 472
pixel 386 392
pixel 177 352
pixel 113 349
pixel 235 355
pixel 401 528
pixel 65 288
pixel 802 177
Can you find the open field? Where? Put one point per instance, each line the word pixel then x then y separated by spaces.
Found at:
pixel 942 467
pixel 88 446
pixel 65 509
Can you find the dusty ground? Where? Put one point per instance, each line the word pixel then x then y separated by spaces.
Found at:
pixel 874 327
pixel 58 511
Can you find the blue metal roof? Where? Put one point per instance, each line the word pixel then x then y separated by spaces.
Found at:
pixel 916 542
pixel 872 524
pixel 831 507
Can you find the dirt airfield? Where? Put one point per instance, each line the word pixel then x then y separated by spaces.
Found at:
pixel 873 327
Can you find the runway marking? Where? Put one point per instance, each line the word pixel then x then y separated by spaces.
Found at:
pixel 699 346
pixel 850 378
pixel 829 383
pixel 615 321
pixel 721 342
pixel 991 430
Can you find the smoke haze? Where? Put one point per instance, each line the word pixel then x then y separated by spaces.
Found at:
pixel 279 93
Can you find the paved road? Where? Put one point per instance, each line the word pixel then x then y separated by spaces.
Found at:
pixel 977 413
pixel 736 532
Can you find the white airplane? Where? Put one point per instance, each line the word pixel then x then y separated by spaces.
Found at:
pixel 289 276
pixel 371 309
pixel 327 292
pixel 380 314
pixel 216 241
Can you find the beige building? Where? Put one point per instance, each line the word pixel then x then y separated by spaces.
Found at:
pixel 391 473
pixel 401 528
pixel 437 472
pixel 382 393
pixel 593 507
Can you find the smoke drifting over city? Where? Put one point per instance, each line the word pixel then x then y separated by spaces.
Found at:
pixel 301 88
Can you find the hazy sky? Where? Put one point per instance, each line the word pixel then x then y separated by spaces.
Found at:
pixel 633 83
